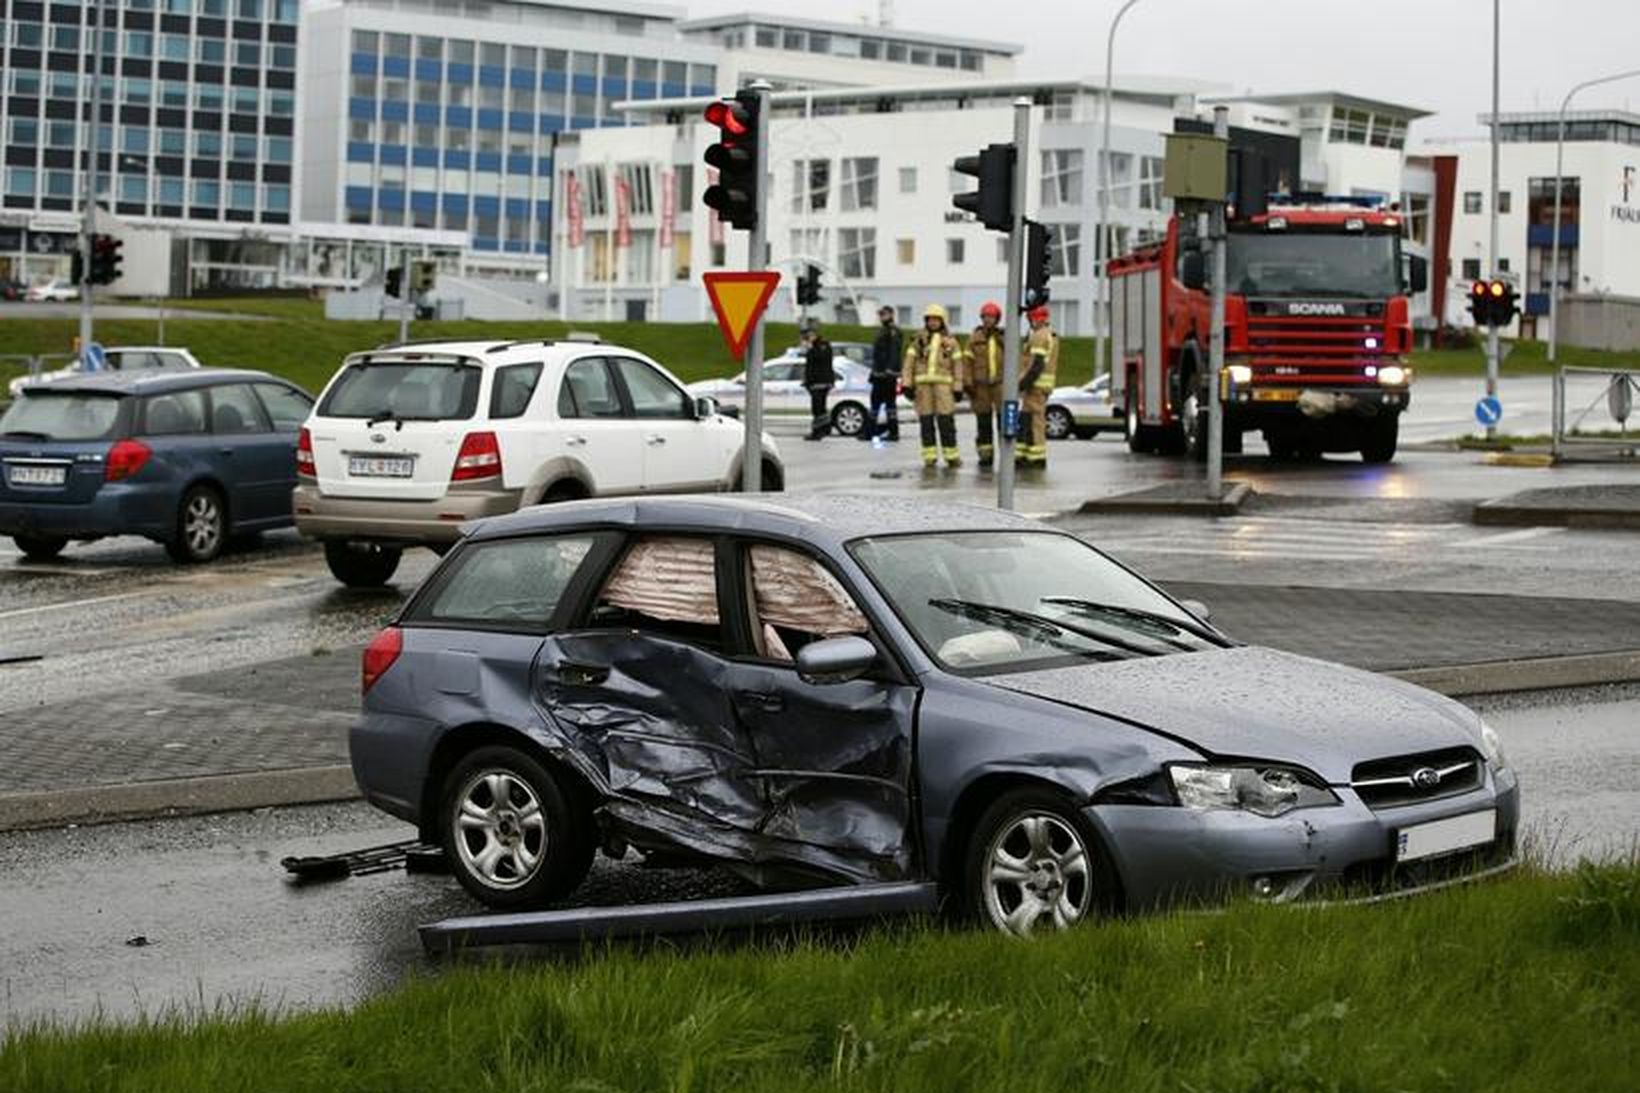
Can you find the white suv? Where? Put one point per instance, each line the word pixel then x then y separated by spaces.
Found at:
pixel 409 442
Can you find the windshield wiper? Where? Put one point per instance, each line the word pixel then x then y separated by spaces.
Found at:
pixel 386 415
pixel 1038 627
pixel 1140 615
pixel 30 433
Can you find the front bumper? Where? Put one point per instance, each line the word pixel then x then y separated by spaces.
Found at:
pixel 1264 402
pixel 359 519
pixel 1169 856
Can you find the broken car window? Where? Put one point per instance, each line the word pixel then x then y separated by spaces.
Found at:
pixel 665 585
pixel 797 601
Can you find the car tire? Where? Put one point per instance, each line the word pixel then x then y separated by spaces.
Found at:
pixel 848 418
pixel 201 527
pixel 774 477
pixel 39 548
pixel 1058 423
pixel 1035 864
pixel 1382 435
pixel 512 834
pixel 365 566
pixel 1086 433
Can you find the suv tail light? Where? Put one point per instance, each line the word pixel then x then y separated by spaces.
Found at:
pixel 305 466
pixel 125 459
pixel 379 656
pixel 480 457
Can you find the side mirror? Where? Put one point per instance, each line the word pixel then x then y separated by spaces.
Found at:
pixel 1193 270
pixel 1417 273
pixel 1198 609
pixel 835 660
pixel 705 407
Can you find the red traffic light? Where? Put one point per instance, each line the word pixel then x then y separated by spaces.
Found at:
pixel 729 117
pixel 1479 288
pixel 1499 288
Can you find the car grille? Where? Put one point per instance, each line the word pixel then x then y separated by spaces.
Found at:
pixel 1313 350
pixel 1411 779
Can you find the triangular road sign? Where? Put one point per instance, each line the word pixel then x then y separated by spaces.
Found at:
pixel 739 299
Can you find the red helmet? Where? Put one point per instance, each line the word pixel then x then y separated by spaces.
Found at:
pixel 990 308
pixel 1038 314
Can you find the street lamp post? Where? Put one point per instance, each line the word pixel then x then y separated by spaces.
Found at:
pixel 1101 227
pixel 1554 245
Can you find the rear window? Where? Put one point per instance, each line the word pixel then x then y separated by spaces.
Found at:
pixel 508 583
pixel 406 390
pixel 510 394
pixel 62 416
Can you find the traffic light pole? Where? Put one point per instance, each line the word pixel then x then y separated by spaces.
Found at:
pixel 1016 305
pixel 1492 331
pixel 757 258
pixel 1215 350
pixel 88 209
pixel 404 294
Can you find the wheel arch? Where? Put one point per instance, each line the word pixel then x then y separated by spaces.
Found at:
pixel 211 482
pixel 971 804
pixel 461 741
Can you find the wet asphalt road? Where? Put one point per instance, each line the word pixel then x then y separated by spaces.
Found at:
pixel 223 925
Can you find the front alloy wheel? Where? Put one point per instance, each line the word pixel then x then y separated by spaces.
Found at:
pixel 848 419
pixel 1057 423
pixel 1035 865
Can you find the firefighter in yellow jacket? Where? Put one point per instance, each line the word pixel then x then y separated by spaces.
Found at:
pixel 933 377
pixel 1041 365
pixel 984 386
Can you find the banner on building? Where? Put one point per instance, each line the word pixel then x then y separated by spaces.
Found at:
pixel 572 202
pixel 623 211
pixel 669 206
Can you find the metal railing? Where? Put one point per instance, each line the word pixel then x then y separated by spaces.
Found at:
pixel 1617 395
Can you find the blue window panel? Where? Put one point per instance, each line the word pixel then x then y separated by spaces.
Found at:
pixel 586 85
pixel 1543 235
pixel 644 89
pixel 427 113
pixel 487 161
pixel 543 211
pixel 518 246
pixel 615 89
pixel 393 153
pixel 429 70
pixel 486 206
pixel 491 76
pixel 484 242
pixel 396 66
pixel 424 157
pixel 674 91
pixel 583 123
pixel 358 197
pixel 459 116
pixel 704 89
pixel 424 202
pixel 390 199
pixel 359 151
pixel 455 203
pixel 520 165
pixel 551 123
pixel 543 167
pixel 554 81
pixel 458 160
pixel 361 109
pixel 364 64
pixel 521 123
pixel 523 77
pixel 1537 303
pixel 395 111
pixel 517 207
pixel 458 73
pixel 489 119
pixel 540 248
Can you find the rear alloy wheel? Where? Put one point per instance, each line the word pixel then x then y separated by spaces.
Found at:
pixel 1058 423
pixel 1036 865
pixel 848 418
pixel 1382 434
pixel 512 835
pixel 202 527
pixel 362 565
pixel 39 548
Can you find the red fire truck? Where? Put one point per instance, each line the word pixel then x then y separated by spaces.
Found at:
pixel 1317 332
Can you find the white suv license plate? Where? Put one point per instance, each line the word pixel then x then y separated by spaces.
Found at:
pixel 373 466
pixel 36 476
pixel 1446 836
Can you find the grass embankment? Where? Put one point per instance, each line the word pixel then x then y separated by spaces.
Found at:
pixel 1528 984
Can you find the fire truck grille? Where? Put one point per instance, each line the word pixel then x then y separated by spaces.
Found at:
pixel 1330 350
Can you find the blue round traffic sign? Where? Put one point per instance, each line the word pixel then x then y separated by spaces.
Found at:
pixel 1489 411
pixel 96 359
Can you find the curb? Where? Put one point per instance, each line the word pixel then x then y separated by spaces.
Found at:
pixel 1170 500
pixel 1503 514
pixel 1534 674
pixel 176 797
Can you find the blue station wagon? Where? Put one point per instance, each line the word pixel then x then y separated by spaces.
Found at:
pixel 184 458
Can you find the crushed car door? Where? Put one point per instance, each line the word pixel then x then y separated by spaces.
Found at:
pixel 835 757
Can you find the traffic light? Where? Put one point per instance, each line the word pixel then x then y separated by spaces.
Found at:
pixel 993 203
pixel 734 196
pixel 105 259
pixel 808 287
pixel 77 266
pixel 1493 303
pixel 423 272
pixel 395 281
pixel 1038 263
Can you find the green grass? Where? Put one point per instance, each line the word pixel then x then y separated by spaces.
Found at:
pixel 1525 359
pixel 272 307
pixel 1529 984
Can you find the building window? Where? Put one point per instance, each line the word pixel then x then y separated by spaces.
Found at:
pixel 954 251
pixel 20 182
pixel 1471 269
pixel 1150 181
pixel 905 251
pixel 811 184
pixel 1350 126
pixel 134 140
pixel 1061 177
pixel 1065 249
pixel 173 142
pixel 1119 178
pixel 206 193
pixel 908 180
pixel 1504 203
pixel 857 252
pixel 365 41
pixel 859 183
pixel 170 191
pixel 1472 201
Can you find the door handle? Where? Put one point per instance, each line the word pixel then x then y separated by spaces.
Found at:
pixel 225 451
pixel 655 441
pixel 582 675
pixel 768 701
pixel 576 441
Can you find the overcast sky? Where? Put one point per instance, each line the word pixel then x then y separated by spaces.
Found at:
pixel 1434 54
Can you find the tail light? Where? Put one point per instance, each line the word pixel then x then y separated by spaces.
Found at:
pixel 480 457
pixel 125 459
pixel 379 656
pixel 305 466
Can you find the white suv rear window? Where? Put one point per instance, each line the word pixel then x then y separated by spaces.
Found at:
pixel 406 390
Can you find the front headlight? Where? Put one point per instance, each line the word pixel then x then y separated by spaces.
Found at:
pixel 1493 748
pixel 1263 791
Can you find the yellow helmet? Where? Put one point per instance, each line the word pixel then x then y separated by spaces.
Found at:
pixel 935 311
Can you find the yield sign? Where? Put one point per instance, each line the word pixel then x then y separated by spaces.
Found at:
pixel 739 300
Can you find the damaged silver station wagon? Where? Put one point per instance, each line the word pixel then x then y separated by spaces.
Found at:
pixel 851 690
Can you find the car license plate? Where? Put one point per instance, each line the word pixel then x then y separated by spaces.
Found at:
pixel 1446 836
pixel 376 466
pixel 36 476
pixel 1274 394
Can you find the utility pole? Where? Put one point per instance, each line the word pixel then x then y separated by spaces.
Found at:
pixel 1492 331
pixel 757 258
pixel 1016 305
pixel 405 305
pixel 1102 234
pixel 1215 370
pixel 88 208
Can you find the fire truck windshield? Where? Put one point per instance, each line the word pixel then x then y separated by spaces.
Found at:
pixel 1312 263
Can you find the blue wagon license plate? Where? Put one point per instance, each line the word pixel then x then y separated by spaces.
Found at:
pixel 36 476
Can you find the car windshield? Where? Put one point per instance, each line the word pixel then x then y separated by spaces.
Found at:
pixel 1003 601
pixel 1309 263
pixel 404 391
pixel 61 415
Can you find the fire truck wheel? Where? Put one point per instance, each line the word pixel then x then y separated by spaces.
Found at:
pixel 1378 446
pixel 1194 421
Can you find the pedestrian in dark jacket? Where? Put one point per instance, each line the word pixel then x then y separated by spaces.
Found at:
pixel 818 377
pixel 887 353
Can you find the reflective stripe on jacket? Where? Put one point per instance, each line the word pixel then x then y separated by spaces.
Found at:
pixel 933 358
pixel 1042 350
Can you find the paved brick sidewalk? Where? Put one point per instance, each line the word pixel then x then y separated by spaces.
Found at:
pixel 294 713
